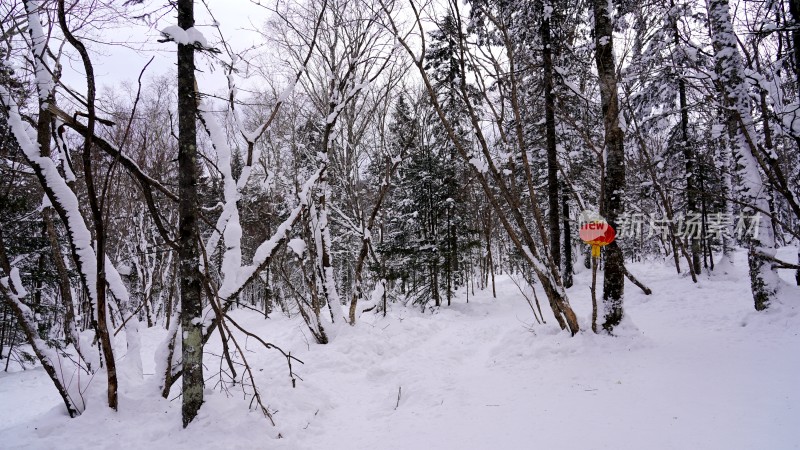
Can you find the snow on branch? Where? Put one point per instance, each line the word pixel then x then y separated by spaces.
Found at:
pixel 191 36
pixel 145 180
pixel 44 80
pixel 264 251
pixel 71 393
pixel 66 203
pixel 228 222
pixel 60 195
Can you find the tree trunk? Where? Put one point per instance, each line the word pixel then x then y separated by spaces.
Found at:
pixel 794 10
pixel 13 293
pixel 366 241
pixel 48 357
pixel 730 70
pixel 188 255
pixel 43 139
pixel 70 330
pixel 614 176
pixel 550 138
pixel 568 269
pixel 519 233
pixel 96 206
pixel 489 258
pixel 688 156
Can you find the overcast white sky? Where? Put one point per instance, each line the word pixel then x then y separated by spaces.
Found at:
pixel 119 62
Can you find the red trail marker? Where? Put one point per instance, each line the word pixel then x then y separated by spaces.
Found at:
pixel 598 234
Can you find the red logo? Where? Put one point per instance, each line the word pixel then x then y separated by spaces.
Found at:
pixel 597 233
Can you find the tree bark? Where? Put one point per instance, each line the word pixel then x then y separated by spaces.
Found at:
pixel 794 10
pixel 730 71
pixel 550 137
pixel 70 330
pixel 614 176
pixel 96 207
pixel 43 139
pixel 688 155
pixel 188 254
pixel 568 269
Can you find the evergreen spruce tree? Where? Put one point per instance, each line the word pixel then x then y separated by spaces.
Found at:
pixel 429 229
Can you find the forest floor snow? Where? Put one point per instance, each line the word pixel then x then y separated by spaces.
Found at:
pixel 693 366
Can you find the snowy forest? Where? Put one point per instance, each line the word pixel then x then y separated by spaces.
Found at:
pixel 367 224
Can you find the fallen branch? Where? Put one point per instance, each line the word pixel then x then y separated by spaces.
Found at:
pixel 629 275
pixel 780 264
pixel 268 346
pixel 399 392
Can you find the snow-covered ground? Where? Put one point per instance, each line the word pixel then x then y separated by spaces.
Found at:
pixel 694 367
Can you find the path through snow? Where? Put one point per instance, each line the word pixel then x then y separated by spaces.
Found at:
pixel 694 367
